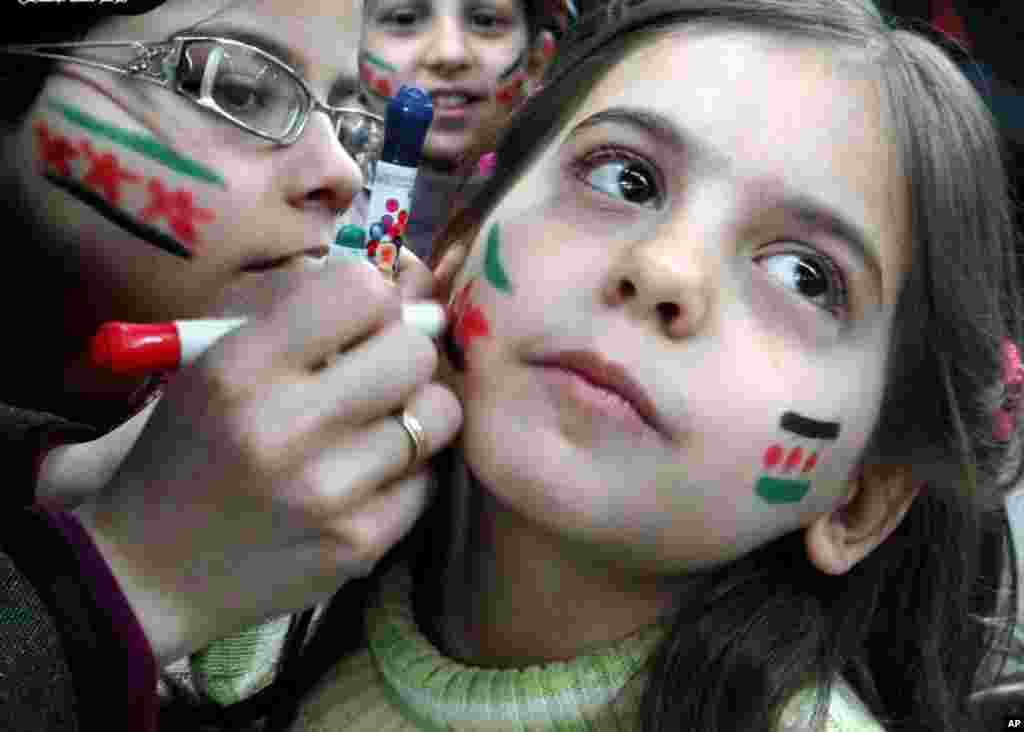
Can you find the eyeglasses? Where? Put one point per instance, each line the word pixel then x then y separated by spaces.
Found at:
pixel 241 83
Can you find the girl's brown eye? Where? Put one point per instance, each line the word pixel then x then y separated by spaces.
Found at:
pixel 623 176
pixel 401 18
pixel 815 278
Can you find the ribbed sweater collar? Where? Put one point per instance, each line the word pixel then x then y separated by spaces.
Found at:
pixel 438 692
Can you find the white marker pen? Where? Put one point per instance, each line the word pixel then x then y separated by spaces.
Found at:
pixel 141 348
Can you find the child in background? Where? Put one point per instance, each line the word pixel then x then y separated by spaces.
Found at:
pixel 478 61
pixel 737 343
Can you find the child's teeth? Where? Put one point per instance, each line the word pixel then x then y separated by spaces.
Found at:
pixel 450 100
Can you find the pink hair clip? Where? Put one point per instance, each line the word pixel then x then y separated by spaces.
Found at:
pixel 1004 418
pixel 487 163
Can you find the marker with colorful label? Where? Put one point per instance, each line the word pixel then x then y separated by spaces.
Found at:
pixel 142 348
pixel 408 119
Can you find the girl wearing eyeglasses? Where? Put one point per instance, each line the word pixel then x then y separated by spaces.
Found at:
pixel 191 161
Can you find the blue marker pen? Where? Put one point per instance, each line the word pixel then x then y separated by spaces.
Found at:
pixel 407 121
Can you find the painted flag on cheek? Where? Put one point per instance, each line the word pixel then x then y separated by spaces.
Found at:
pixel 129 178
pixel 788 465
pixel 378 75
pixel 468 323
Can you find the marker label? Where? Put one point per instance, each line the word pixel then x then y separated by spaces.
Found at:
pixel 388 213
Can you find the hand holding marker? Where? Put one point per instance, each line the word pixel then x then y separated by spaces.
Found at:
pixel 141 348
pixel 408 119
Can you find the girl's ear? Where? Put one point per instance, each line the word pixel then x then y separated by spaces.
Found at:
pixel 877 500
pixel 540 57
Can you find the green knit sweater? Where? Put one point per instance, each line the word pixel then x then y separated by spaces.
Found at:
pixel 402 683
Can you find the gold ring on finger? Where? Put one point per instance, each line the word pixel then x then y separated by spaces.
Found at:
pixel 417 435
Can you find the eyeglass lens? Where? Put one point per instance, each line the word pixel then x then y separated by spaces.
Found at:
pixel 253 89
pixel 242 84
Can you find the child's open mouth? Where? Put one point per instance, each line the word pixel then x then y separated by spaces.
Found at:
pixel 453 102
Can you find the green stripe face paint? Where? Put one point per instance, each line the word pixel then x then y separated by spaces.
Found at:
pixel 781 490
pixel 142 144
pixel 129 178
pixel 494 270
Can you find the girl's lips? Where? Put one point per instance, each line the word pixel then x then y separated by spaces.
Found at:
pixel 596 400
pixel 453 102
pixel 605 386
pixel 263 265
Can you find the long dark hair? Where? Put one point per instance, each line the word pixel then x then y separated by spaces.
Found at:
pixel 916 627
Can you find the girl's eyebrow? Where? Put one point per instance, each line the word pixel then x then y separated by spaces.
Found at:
pixel 805 208
pixel 662 128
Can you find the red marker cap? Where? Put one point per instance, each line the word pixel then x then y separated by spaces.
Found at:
pixel 136 348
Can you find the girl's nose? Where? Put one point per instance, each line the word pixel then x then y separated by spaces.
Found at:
pixel 317 170
pixel 447 46
pixel 658 280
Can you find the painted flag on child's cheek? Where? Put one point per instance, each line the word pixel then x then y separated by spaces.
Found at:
pixel 513 83
pixel 129 178
pixel 468 322
pixel 788 465
pixel 378 76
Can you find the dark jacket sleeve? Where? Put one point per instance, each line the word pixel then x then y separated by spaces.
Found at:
pixel 72 654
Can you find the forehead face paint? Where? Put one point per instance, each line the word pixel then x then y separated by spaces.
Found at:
pixel 115 172
pixel 788 467
pixel 513 83
pixel 378 76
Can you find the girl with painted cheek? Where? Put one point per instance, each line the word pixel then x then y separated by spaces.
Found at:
pixel 737 342
pixel 479 62
pixel 192 161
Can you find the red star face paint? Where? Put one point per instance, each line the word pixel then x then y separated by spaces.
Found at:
pixel 787 466
pixel 513 83
pixel 112 170
pixel 378 76
pixel 468 323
